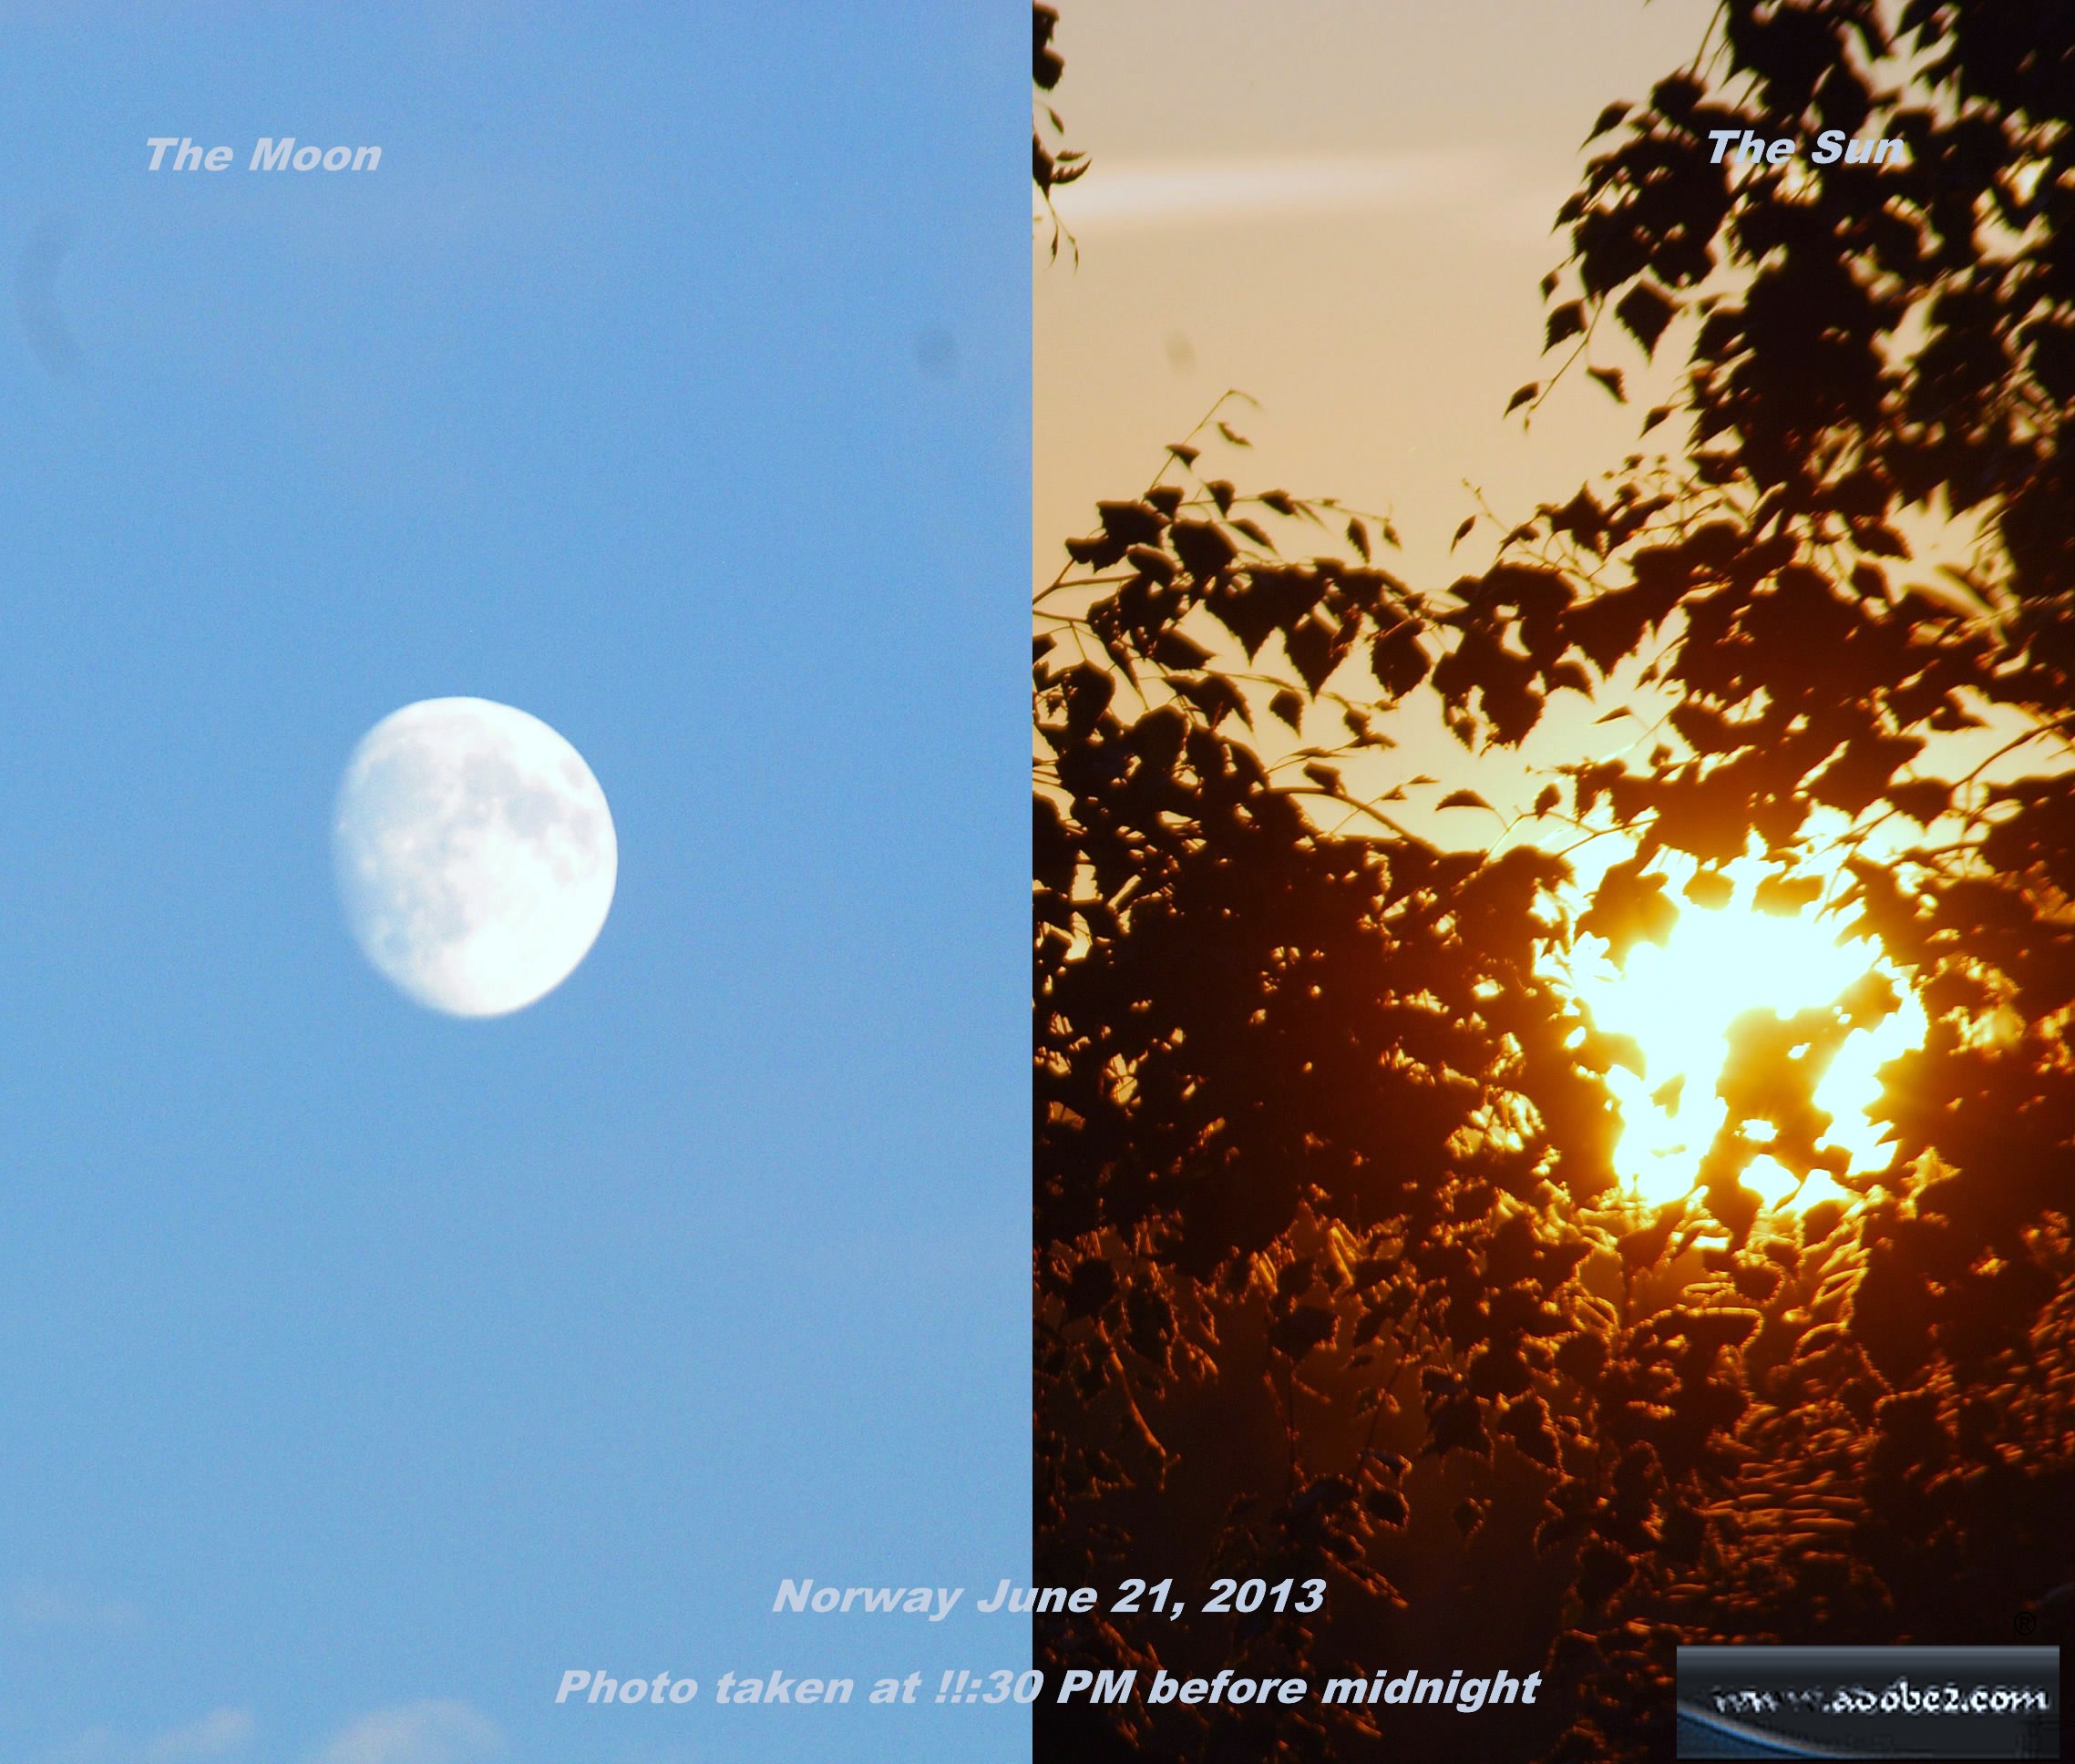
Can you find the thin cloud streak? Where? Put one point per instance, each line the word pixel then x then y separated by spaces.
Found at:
pixel 224 1734
pixel 220 1734
pixel 1123 195
pixel 440 1732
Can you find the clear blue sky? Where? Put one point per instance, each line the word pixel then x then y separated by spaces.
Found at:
pixel 669 380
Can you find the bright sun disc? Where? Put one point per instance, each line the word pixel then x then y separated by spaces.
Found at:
pixel 1678 1000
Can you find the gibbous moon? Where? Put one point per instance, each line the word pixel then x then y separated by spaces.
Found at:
pixel 475 853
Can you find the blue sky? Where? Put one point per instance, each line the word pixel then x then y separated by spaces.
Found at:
pixel 360 1370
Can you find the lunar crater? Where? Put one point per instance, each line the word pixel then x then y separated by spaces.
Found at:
pixel 474 854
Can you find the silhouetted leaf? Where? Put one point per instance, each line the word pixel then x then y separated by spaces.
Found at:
pixel 1786 895
pixel 1563 322
pixel 1202 547
pixel 1398 660
pixel 1923 800
pixel 1045 64
pixel 1172 650
pixel 1644 312
pixel 1629 908
pixel 1861 773
pixel 1609 117
pixel 1710 888
pixel 1133 523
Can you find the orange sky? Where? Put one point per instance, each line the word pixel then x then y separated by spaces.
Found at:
pixel 1343 208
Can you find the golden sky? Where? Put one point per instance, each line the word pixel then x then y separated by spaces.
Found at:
pixel 1342 206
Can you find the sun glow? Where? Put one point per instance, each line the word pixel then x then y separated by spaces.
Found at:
pixel 1676 1003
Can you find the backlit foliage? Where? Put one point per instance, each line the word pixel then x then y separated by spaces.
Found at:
pixel 1333 1275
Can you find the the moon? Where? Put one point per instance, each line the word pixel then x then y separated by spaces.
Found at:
pixel 474 854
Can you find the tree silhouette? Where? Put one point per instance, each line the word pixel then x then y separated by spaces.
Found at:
pixel 1334 1277
pixel 1052 163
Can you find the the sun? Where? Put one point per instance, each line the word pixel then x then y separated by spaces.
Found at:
pixel 1676 1002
